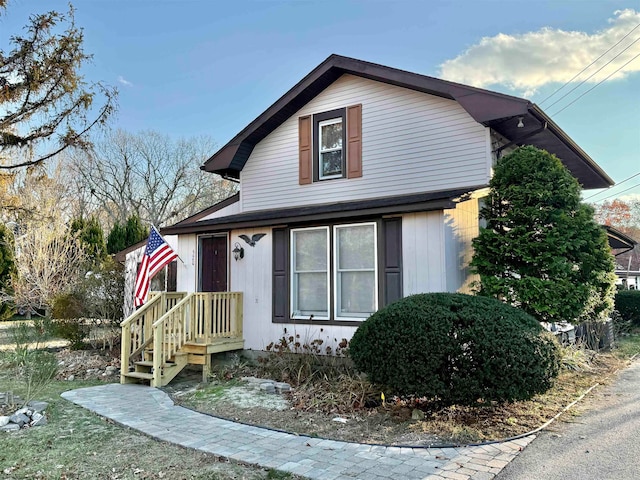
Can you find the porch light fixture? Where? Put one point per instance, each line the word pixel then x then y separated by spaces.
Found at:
pixel 520 122
pixel 238 251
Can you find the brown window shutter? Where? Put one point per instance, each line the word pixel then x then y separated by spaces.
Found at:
pixel 280 275
pixel 392 262
pixel 172 276
pixel 354 141
pixel 304 146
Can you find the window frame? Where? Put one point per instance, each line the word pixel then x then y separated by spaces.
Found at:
pixel 332 273
pixel 327 118
pixel 292 272
pixel 336 290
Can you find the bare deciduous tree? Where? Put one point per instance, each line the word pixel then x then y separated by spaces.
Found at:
pixel 150 175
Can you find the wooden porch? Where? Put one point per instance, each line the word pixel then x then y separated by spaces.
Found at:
pixel 176 329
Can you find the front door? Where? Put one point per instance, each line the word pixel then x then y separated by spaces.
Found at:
pixel 213 264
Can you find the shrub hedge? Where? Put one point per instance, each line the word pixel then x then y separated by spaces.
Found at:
pixel 456 349
pixel 628 305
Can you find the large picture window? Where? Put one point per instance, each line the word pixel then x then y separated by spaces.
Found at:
pixel 334 272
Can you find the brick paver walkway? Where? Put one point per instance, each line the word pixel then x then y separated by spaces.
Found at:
pixel 152 412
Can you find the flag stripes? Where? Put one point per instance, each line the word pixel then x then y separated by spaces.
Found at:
pixel 157 254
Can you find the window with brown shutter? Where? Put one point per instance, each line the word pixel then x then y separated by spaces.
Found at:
pixel 330 145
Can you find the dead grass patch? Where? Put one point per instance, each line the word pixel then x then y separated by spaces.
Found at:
pixel 315 404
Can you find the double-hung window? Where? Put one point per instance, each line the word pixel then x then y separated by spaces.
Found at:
pixel 310 272
pixel 334 272
pixel 355 270
pixel 329 136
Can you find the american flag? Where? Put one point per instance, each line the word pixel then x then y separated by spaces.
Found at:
pixel 157 254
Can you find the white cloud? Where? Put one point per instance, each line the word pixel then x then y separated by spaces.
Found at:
pixel 525 62
pixel 124 81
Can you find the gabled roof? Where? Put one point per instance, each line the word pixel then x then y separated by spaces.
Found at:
pixel 491 109
pixel 619 241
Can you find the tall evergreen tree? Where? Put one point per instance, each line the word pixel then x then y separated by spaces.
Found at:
pixel 123 236
pixel 91 236
pixel 541 249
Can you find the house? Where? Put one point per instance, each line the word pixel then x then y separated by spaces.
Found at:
pixel 359 186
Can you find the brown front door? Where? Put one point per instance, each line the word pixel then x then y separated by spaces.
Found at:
pixel 213 264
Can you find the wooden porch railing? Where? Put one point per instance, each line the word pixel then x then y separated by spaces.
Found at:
pixel 200 317
pixel 170 320
pixel 137 329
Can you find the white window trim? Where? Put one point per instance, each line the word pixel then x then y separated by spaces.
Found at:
pixel 294 313
pixel 321 124
pixel 335 269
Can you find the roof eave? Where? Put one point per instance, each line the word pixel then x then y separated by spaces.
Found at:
pixel 568 141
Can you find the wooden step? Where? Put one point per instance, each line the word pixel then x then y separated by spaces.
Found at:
pixel 149 363
pixel 139 375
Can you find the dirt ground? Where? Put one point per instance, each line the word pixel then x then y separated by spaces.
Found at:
pixel 390 423
pixel 240 401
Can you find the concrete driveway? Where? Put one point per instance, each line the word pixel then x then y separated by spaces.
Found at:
pixel 602 444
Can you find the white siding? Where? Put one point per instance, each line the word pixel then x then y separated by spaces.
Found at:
pixel 423 261
pixel 187 250
pixel 131 270
pixel 411 142
pixel 223 212
pixel 461 227
pixel 252 275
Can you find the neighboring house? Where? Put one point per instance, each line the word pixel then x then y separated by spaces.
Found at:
pixel 627 258
pixel 363 183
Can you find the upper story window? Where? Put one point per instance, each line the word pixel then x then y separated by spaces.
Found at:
pixel 330 145
pixel 328 135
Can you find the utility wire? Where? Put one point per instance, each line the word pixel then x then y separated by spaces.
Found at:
pixel 590 76
pixel 618 193
pixel 585 68
pixel 600 82
pixel 614 186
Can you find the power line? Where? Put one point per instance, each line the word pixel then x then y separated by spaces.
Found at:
pixel 585 68
pixel 590 76
pixel 600 82
pixel 614 186
pixel 618 193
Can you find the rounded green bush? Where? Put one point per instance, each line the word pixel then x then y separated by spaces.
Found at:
pixel 456 349
pixel 628 305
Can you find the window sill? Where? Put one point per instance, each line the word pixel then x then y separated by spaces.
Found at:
pixel 306 321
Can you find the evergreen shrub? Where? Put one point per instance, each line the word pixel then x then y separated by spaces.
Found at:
pixel 456 349
pixel 628 305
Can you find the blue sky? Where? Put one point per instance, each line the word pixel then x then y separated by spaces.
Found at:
pixel 202 67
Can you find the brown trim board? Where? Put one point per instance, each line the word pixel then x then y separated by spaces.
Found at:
pixel 340 210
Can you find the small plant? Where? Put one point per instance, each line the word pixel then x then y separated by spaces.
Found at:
pixel 576 358
pixel 34 366
pixel 73 330
pixel 297 360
